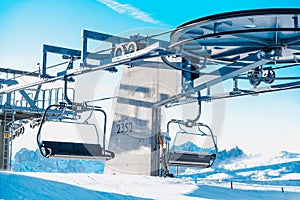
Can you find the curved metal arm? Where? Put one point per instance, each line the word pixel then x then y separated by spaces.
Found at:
pixel 90 115
pixel 70 66
pixel 64 106
pixel 189 121
pixel 212 135
pixel 104 129
pixel 41 125
pixel 165 60
pixel 66 91
pixel 181 122
pixel 174 121
pixel 199 108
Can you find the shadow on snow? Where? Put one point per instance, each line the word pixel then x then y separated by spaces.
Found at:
pixel 24 187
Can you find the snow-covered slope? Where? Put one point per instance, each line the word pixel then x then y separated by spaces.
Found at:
pixel 283 169
pixel 252 177
pixel 99 186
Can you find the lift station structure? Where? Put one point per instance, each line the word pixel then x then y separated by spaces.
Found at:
pixel 244 46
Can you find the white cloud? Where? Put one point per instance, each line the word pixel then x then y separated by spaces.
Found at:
pixel 129 10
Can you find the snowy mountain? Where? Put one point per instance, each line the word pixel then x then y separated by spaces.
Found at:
pixel 282 169
pixel 191 147
pixel 230 156
pixel 233 165
pixel 32 161
pixel 223 157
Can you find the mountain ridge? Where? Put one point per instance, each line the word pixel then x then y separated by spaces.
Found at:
pixel 32 161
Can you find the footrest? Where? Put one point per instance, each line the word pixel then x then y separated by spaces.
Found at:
pixel 191 159
pixel 75 150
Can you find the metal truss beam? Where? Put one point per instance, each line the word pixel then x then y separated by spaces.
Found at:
pixel 232 70
pixel 66 51
pixel 86 34
pixel 103 36
pixel 19 72
pixel 56 50
pixel 22 92
pixel 75 72
pixel 238 93
pixel 253 91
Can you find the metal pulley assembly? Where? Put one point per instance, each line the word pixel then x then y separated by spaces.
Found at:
pixel 132 47
pixel 269 76
pixel 120 50
pixel 255 76
pixel 260 74
pixel 125 48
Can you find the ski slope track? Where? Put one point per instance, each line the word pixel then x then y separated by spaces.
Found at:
pixel 99 186
pixel 253 177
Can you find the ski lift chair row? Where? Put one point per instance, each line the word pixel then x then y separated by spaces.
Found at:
pixel 72 150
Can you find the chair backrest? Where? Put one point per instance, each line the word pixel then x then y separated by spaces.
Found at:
pixel 193 143
pixel 67 131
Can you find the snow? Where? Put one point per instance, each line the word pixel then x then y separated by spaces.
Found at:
pixel 26 185
pixel 291 176
pixel 219 176
pixel 257 160
pixel 282 169
pixel 253 177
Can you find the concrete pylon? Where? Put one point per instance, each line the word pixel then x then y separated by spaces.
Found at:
pixel 136 122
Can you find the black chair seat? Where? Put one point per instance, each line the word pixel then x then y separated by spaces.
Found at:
pixel 75 150
pixel 191 159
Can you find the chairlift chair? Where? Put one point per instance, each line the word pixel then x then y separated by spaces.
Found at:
pixel 72 150
pixel 188 154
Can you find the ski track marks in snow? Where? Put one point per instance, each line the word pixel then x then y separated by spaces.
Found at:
pixel 99 186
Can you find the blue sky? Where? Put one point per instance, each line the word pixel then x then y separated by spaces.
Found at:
pixel 265 123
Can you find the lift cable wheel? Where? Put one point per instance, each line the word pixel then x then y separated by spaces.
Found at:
pixel 73 150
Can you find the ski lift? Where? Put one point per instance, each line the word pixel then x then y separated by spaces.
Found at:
pixel 64 114
pixel 192 149
pixel 67 113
